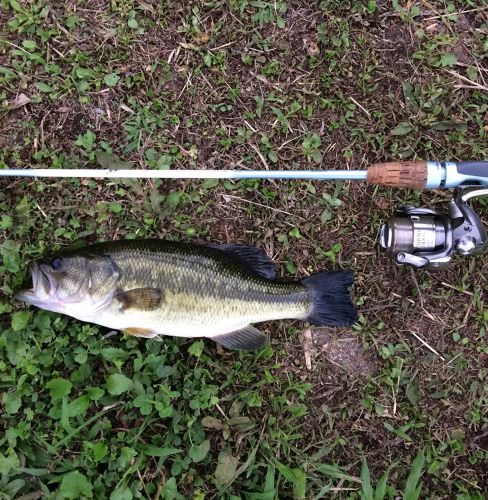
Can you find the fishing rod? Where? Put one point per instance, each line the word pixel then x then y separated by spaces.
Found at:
pixel 418 237
pixel 401 174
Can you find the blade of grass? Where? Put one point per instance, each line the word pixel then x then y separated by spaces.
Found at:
pixel 412 487
pixel 366 488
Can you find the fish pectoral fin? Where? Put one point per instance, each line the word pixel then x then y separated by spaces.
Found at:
pixel 136 331
pixel 254 259
pixel 144 299
pixel 246 339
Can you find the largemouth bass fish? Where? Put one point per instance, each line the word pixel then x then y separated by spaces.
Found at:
pixel 155 287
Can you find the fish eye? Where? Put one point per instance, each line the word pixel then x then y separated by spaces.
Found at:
pixel 56 264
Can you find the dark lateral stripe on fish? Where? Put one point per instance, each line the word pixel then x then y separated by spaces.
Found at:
pixel 140 298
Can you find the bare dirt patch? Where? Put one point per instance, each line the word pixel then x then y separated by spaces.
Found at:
pixel 344 352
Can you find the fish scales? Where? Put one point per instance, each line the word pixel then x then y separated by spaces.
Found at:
pixel 156 287
pixel 193 282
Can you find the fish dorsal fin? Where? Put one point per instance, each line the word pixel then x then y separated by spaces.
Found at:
pixel 254 259
pixel 246 339
pixel 145 299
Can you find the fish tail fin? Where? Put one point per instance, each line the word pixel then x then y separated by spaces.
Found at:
pixel 331 298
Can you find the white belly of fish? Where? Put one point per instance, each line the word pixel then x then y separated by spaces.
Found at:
pixel 143 324
pixel 172 328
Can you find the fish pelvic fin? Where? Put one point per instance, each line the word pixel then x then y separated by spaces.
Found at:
pixel 330 295
pixel 248 338
pixel 145 299
pixel 146 333
pixel 253 259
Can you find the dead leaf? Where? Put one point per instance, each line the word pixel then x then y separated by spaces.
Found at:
pixel 226 468
pixel 126 108
pixel 212 423
pixel 146 7
pixel 239 420
pixel 313 48
pixel 111 161
pixel 188 46
pixel 383 203
pixel 201 38
pixel 20 101
pixel 241 423
pixel 432 28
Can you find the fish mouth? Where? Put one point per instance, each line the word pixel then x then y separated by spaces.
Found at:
pixel 49 293
pixel 44 287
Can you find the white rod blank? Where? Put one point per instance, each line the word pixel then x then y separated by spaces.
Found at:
pixel 187 174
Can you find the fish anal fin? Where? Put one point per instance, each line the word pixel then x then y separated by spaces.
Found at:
pixel 145 299
pixel 248 338
pixel 140 332
pixel 254 259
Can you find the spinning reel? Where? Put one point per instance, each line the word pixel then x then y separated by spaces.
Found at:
pixel 424 238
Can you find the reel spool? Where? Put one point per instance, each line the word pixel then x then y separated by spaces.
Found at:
pixel 424 238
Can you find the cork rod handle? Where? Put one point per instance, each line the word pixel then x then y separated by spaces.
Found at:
pixel 400 174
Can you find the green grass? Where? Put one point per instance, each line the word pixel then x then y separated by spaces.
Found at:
pixel 259 85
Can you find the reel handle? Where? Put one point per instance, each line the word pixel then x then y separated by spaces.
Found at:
pixel 473 168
